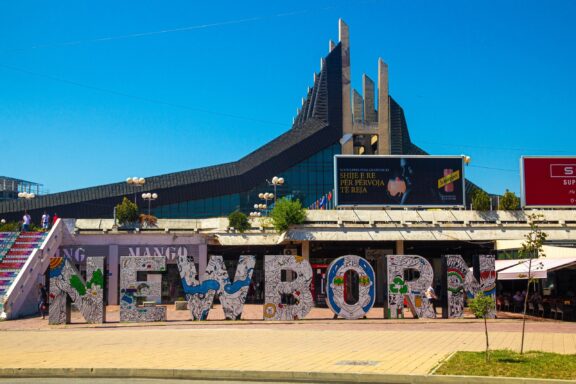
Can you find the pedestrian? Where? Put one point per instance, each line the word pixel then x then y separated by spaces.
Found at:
pixel 45 221
pixel 43 300
pixel 432 298
pixel 54 218
pixel 26 220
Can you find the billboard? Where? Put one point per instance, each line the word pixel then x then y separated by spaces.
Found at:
pixel 407 181
pixel 548 181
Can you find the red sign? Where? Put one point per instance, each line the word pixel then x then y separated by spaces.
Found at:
pixel 549 181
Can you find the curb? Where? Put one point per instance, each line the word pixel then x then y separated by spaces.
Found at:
pixel 239 375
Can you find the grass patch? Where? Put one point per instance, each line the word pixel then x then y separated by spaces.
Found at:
pixel 511 364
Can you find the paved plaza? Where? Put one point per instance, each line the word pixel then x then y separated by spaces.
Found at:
pixel 317 345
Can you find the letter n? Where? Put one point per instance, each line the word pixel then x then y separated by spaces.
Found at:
pixel 461 282
pixel 67 286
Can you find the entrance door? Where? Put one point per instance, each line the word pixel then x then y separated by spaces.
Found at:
pixel 318 286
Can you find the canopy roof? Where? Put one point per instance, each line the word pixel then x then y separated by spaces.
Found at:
pixel 539 268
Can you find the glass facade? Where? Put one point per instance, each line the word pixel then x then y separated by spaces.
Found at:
pixel 307 181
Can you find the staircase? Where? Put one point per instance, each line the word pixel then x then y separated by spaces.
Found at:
pixel 7 239
pixel 24 258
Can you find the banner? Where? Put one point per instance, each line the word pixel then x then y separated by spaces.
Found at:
pixel 427 181
pixel 548 181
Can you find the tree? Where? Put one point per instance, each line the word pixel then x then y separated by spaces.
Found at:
pixel 532 248
pixel 286 213
pixel 127 212
pixel 480 201
pixel 238 221
pixel 482 306
pixel 509 202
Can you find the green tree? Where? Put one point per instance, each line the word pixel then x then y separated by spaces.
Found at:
pixel 480 201
pixel 532 248
pixel 238 221
pixel 509 202
pixel 286 213
pixel 127 212
pixel 482 306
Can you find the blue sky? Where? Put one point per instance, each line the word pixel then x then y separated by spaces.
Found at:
pixel 94 92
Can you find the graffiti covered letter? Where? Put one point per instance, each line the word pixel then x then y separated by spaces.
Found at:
pixel 413 290
pixel 298 288
pixel 462 282
pixel 216 281
pixel 336 282
pixel 66 285
pixel 131 289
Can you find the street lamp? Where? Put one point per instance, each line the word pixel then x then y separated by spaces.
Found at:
pixel 137 182
pixel 149 196
pixel 26 195
pixel 255 214
pixel 276 181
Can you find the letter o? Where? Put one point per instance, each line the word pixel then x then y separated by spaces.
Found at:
pixel 335 287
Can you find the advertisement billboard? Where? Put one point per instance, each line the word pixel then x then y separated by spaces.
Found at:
pixel 548 181
pixel 406 181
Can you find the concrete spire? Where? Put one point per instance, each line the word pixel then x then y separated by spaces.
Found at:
pixel 331 45
pixel 385 144
pixel 347 126
pixel 369 97
pixel 358 106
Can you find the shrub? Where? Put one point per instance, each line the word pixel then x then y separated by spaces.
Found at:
pixel 239 221
pixel 148 220
pixel 11 226
pixel 480 201
pixel 286 213
pixel 126 212
pixel 509 202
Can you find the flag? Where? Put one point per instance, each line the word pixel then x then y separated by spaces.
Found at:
pixel 323 202
pixel 330 196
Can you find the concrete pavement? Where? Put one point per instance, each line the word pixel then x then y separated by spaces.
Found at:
pixel 330 347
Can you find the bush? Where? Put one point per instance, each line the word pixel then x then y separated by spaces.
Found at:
pixel 480 201
pixel 126 212
pixel 286 213
pixel 148 220
pixel 509 202
pixel 239 221
pixel 13 226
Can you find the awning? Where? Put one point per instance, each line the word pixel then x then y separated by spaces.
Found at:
pixel 505 264
pixel 539 270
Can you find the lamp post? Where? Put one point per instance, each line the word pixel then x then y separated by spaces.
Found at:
pixel 137 182
pixel 149 196
pixel 266 196
pixel 26 195
pixel 276 181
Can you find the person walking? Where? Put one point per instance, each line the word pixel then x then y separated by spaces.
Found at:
pixel 26 220
pixel 43 300
pixel 45 221
pixel 432 298
pixel 54 218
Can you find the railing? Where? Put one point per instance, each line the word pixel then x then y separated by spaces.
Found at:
pixel 21 298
